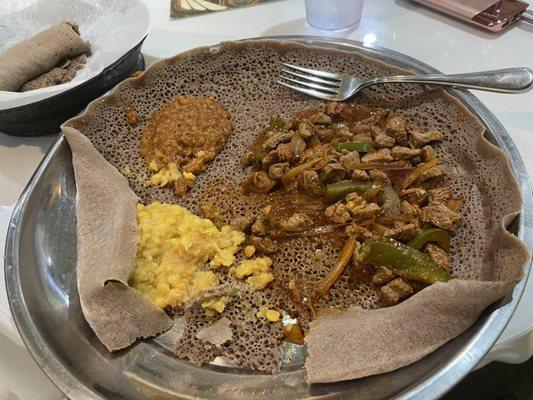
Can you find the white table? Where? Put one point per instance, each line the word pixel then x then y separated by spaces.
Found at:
pixel 400 25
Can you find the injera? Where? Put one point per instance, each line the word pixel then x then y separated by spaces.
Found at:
pixel 107 236
pixel 39 54
pixel 487 259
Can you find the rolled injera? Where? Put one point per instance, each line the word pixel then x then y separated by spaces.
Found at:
pixel 38 55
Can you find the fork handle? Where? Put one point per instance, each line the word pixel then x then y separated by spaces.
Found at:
pixel 508 80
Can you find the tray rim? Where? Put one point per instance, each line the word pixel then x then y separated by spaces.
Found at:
pixel 431 387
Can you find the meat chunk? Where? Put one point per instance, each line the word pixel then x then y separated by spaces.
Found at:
pixel 394 291
pixel 438 255
pixel 248 158
pixel 400 230
pixel 415 195
pixel 381 139
pixel 334 108
pixel 259 227
pixel 396 127
pixel 349 161
pixel 431 173
pixel 403 153
pixel 276 171
pixel 331 107
pixel 210 211
pixel 388 296
pixel 402 287
pixel 378 117
pixel 379 176
pixel 286 152
pixel 411 210
pixel 382 155
pixel 382 276
pixel 334 155
pixel 439 215
pixel 360 175
pixel 418 139
pixel 265 245
pixel 337 213
pixel 441 194
pixel 320 119
pixel 298 144
pixel 359 208
pixel 269 159
pixel 297 222
pixel 181 186
pixel 354 198
pixel 360 128
pixel 332 172
pixel 259 182
pixel 362 138
pixel 310 183
pixel 325 134
pixel 343 133
pixel 358 232
pixel 275 138
pixel 428 153
pixel 306 129
pixel 404 230
pixel 242 223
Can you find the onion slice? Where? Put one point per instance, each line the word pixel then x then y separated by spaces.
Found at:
pixel 325 284
pixel 413 176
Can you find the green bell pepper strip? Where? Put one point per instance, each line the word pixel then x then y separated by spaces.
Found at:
pixel 258 157
pixel 357 146
pixel 402 259
pixel 439 236
pixel 391 205
pixel 337 191
pixel 277 124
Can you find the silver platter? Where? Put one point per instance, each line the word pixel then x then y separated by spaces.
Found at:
pixel 41 286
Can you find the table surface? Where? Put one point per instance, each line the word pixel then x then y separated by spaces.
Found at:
pixel 400 25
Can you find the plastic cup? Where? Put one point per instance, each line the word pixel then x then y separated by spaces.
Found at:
pixel 333 14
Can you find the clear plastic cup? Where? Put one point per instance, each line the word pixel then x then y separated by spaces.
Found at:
pixel 333 14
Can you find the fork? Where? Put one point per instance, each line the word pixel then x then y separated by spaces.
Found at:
pixel 337 87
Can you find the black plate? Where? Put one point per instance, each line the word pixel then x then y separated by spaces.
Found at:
pixel 45 116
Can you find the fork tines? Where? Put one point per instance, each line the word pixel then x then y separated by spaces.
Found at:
pixel 313 82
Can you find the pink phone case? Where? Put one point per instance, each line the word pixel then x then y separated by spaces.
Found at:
pixel 487 14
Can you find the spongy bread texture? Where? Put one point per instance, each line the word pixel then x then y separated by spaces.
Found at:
pixel 39 54
pixel 107 226
pixel 255 341
pixel 242 77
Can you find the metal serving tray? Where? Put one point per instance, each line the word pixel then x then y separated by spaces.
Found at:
pixel 41 285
